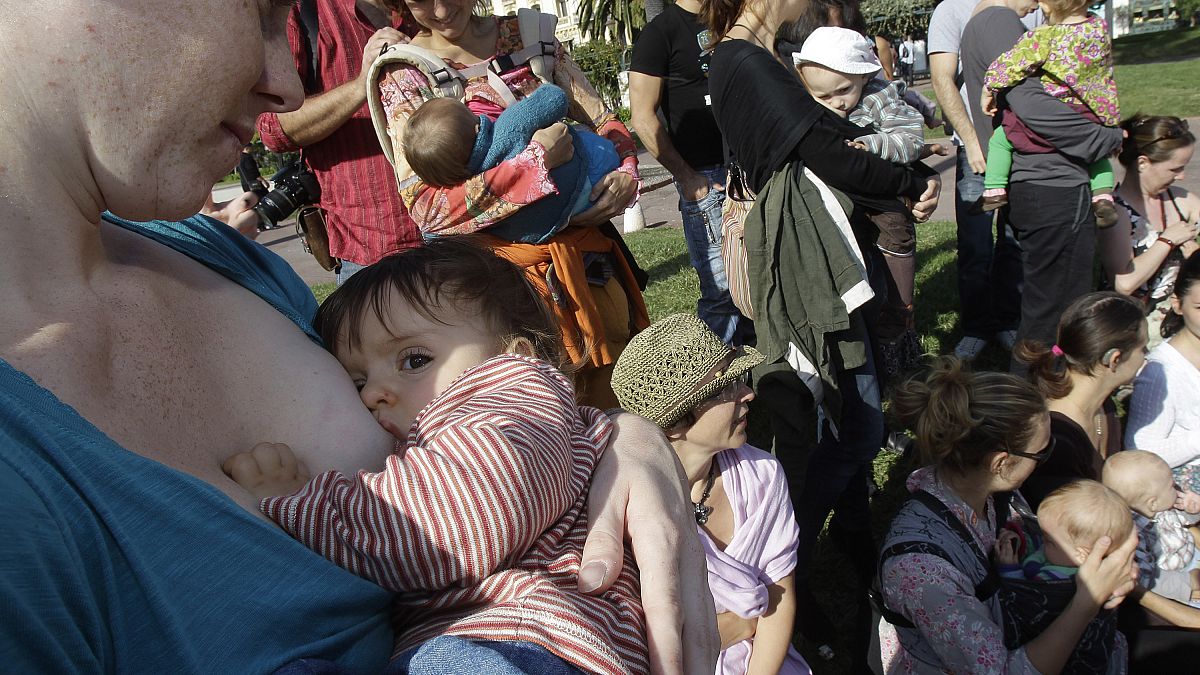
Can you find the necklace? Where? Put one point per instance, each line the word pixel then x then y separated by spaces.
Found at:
pixel 753 35
pixel 701 511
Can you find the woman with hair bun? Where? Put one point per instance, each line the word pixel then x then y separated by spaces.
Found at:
pixel 1156 226
pixel 982 434
pixel 1164 416
pixel 1101 345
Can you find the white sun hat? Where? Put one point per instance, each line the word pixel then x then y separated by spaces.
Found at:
pixel 839 49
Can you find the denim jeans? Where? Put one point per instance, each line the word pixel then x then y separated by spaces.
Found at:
pixel 989 268
pixel 448 655
pixel 346 271
pixel 702 232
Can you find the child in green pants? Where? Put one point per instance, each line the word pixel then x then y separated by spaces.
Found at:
pixel 999 163
pixel 1072 54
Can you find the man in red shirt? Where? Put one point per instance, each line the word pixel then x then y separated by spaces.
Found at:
pixel 363 211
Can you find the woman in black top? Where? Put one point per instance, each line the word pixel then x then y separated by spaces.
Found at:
pixel 770 123
pixel 1101 345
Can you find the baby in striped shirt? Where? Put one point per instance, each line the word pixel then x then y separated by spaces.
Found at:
pixel 478 520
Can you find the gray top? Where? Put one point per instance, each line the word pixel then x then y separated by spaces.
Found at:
pixel 988 34
pixel 946 27
pixel 1079 141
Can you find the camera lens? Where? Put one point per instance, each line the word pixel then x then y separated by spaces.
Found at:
pixel 275 206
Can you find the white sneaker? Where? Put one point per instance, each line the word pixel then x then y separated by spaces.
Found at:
pixel 969 347
pixel 1007 339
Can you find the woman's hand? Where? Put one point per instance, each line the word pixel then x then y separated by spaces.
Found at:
pixel 1105 577
pixel 637 493
pixel 928 202
pixel 610 197
pixel 1180 232
pixel 238 213
pixel 556 140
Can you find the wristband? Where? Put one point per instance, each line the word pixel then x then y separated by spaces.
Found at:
pixel 1170 244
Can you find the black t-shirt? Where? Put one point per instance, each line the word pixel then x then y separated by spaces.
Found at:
pixel 768 120
pixel 672 47
pixel 1074 456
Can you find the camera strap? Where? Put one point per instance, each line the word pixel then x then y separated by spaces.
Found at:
pixel 310 28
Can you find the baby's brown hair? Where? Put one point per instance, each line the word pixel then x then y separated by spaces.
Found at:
pixel 438 141
pixel 447 273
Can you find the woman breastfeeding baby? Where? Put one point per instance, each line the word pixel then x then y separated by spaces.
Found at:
pixel 680 375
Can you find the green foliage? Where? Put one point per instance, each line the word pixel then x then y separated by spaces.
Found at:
pixel 600 60
pixel 624 115
pixel 894 18
pixel 611 19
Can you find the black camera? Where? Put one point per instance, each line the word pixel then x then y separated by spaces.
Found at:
pixel 295 186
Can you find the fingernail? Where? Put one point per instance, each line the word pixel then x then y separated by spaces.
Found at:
pixel 591 575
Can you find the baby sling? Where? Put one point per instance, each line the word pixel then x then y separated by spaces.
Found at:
pixel 537 36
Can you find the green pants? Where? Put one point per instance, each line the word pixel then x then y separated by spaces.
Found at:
pixel 999 165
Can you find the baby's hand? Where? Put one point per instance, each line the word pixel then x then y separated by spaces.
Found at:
pixel 856 144
pixel 1186 500
pixel 934 149
pixel 268 470
pixel 1006 548
pixel 987 102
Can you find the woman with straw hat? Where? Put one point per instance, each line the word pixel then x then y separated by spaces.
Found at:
pixel 681 376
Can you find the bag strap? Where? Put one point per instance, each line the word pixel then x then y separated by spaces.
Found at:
pixel 984 590
pixel 310 28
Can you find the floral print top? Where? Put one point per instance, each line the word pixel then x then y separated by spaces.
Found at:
pixel 1074 61
pixel 497 193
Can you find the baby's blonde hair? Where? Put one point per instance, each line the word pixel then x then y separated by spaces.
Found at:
pixel 1089 510
pixel 1062 8
pixel 1129 474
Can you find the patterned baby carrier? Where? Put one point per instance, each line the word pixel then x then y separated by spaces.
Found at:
pixel 1027 607
pixel 539 48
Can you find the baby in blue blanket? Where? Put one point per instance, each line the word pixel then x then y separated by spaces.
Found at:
pixel 445 144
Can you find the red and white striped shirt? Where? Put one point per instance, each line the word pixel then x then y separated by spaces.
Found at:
pixel 480 523
pixel 363 211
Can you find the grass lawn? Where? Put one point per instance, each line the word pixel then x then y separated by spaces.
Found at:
pixel 1162 46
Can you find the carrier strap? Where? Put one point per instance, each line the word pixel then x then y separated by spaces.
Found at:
pixel 984 590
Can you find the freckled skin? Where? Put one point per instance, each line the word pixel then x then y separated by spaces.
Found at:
pixel 162 354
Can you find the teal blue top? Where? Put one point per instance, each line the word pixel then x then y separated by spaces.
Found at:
pixel 111 562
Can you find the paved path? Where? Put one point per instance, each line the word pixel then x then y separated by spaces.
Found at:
pixel 660 205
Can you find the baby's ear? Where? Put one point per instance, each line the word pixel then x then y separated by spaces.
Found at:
pixel 520 346
pixel 1081 553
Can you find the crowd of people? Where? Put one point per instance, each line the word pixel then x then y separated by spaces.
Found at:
pixel 205 471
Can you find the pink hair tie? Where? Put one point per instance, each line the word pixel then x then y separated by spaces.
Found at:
pixel 1057 351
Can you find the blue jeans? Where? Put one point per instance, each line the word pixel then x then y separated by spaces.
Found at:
pixel 450 656
pixel 702 232
pixel 346 271
pixel 989 268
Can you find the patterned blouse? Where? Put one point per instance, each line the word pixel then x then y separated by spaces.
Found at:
pixel 497 193
pixel 1074 61
pixel 964 633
